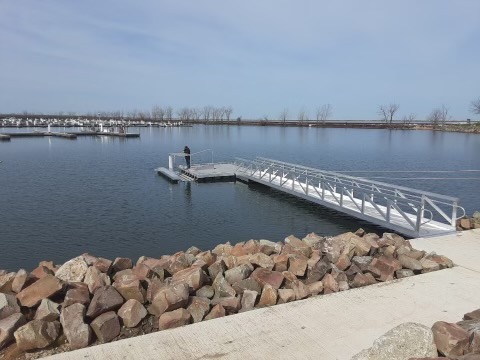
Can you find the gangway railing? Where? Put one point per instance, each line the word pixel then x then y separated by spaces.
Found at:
pixel 405 209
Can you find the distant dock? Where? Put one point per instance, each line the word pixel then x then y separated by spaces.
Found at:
pixel 67 135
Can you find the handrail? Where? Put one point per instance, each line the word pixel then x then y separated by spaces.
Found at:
pixel 405 201
pixel 331 173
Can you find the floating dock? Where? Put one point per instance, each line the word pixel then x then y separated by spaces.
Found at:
pixel 67 135
pixel 411 212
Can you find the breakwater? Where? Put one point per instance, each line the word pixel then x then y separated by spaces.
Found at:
pixel 90 300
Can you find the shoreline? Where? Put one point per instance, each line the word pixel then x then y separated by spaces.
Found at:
pixel 99 300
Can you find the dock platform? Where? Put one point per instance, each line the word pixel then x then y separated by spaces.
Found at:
pixel 168 174
pixel 212 172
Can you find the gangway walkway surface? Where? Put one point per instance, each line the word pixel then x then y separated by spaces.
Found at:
pixel 408 211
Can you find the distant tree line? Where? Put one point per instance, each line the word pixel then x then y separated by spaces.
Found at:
pixel 388 114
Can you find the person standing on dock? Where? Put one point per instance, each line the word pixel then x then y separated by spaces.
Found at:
pixel 186 151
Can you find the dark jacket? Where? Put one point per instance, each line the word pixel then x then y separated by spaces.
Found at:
pixel 186 150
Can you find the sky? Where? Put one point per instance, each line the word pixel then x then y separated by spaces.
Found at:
pixel 259 57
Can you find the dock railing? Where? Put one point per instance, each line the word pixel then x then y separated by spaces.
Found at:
pixel 385 202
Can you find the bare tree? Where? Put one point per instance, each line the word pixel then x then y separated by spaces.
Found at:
pixel 228 112
pixel 157 113
pixel 324 112
pixel 387 112
pixel 284 115
pixel 475 106
pixel 438 115
pixel 302 115
pixel 169 113
pixel 207 113
pixel 408 119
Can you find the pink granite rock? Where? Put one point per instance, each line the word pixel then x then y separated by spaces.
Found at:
pixel 106 327
pixel 37 334
pixel 132 312
pixel 173 319
pixel 47 286
pixel 104 300
pixel 78 333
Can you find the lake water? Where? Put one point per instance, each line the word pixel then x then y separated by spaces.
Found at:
pixel 60 198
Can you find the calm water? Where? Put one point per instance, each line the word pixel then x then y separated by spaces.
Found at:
pixel 60 198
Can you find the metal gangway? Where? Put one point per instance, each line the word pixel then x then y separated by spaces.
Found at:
pixel 411 212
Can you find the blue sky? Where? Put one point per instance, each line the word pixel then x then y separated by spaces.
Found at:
pixel 257 56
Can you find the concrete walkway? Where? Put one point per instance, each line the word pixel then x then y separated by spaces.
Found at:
pixel 335 326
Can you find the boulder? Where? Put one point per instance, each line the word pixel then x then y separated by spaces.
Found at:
pixel 195 277
pixel 285 296
pixel 298 264
pixel 361 246
pixel 362 262
pixel 231 304
pixel 269 247
pixel 73 270
pixel 330 285
pixel 360 232
pixel 8 326
pixel 315 288
pixel 410 263
pixel 207 256
pixel 248 300
pixel 22 279
pixel 343 262
pixel 120 264
pixel 8 305
pixel 169 298
pixel 316 257
pixel 300 289
pixel 222 287
pixel 403 273
pixel 130 289
pixel 104 300
pixel 262 260
pixel 381 269
pixel 267 277
pixel 193 250
pixel 216 312
pixel 268 297
pixel 173 319
pixel 205 291
pixel 361 280
pixel 218 267
pixel 47 311
pixel 451 339
pixel 280 262
pixel 299 245
pixel 198 307
pixel 238 273
pixel 318 271
pixel 78 333
pixel 95 279
pixel 474 315
pixel 441 260
pixel 41 271
pixel 429 265
pixel 142 271
pixel 289 279
pixel 474 342
pixel 44 288
pixel 106 327
pixel 6 282
pixel 78 294
pixel 103 265
pixel 415 254
pixel 313 240
pixel 465 224
pixel 37 334
pixel 238 250
pixel 247 284
pixel 132 312
pixel 177 262
pixel 251 247
pixel 405 341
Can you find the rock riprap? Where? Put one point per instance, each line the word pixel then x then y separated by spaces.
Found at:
pixel 91 300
